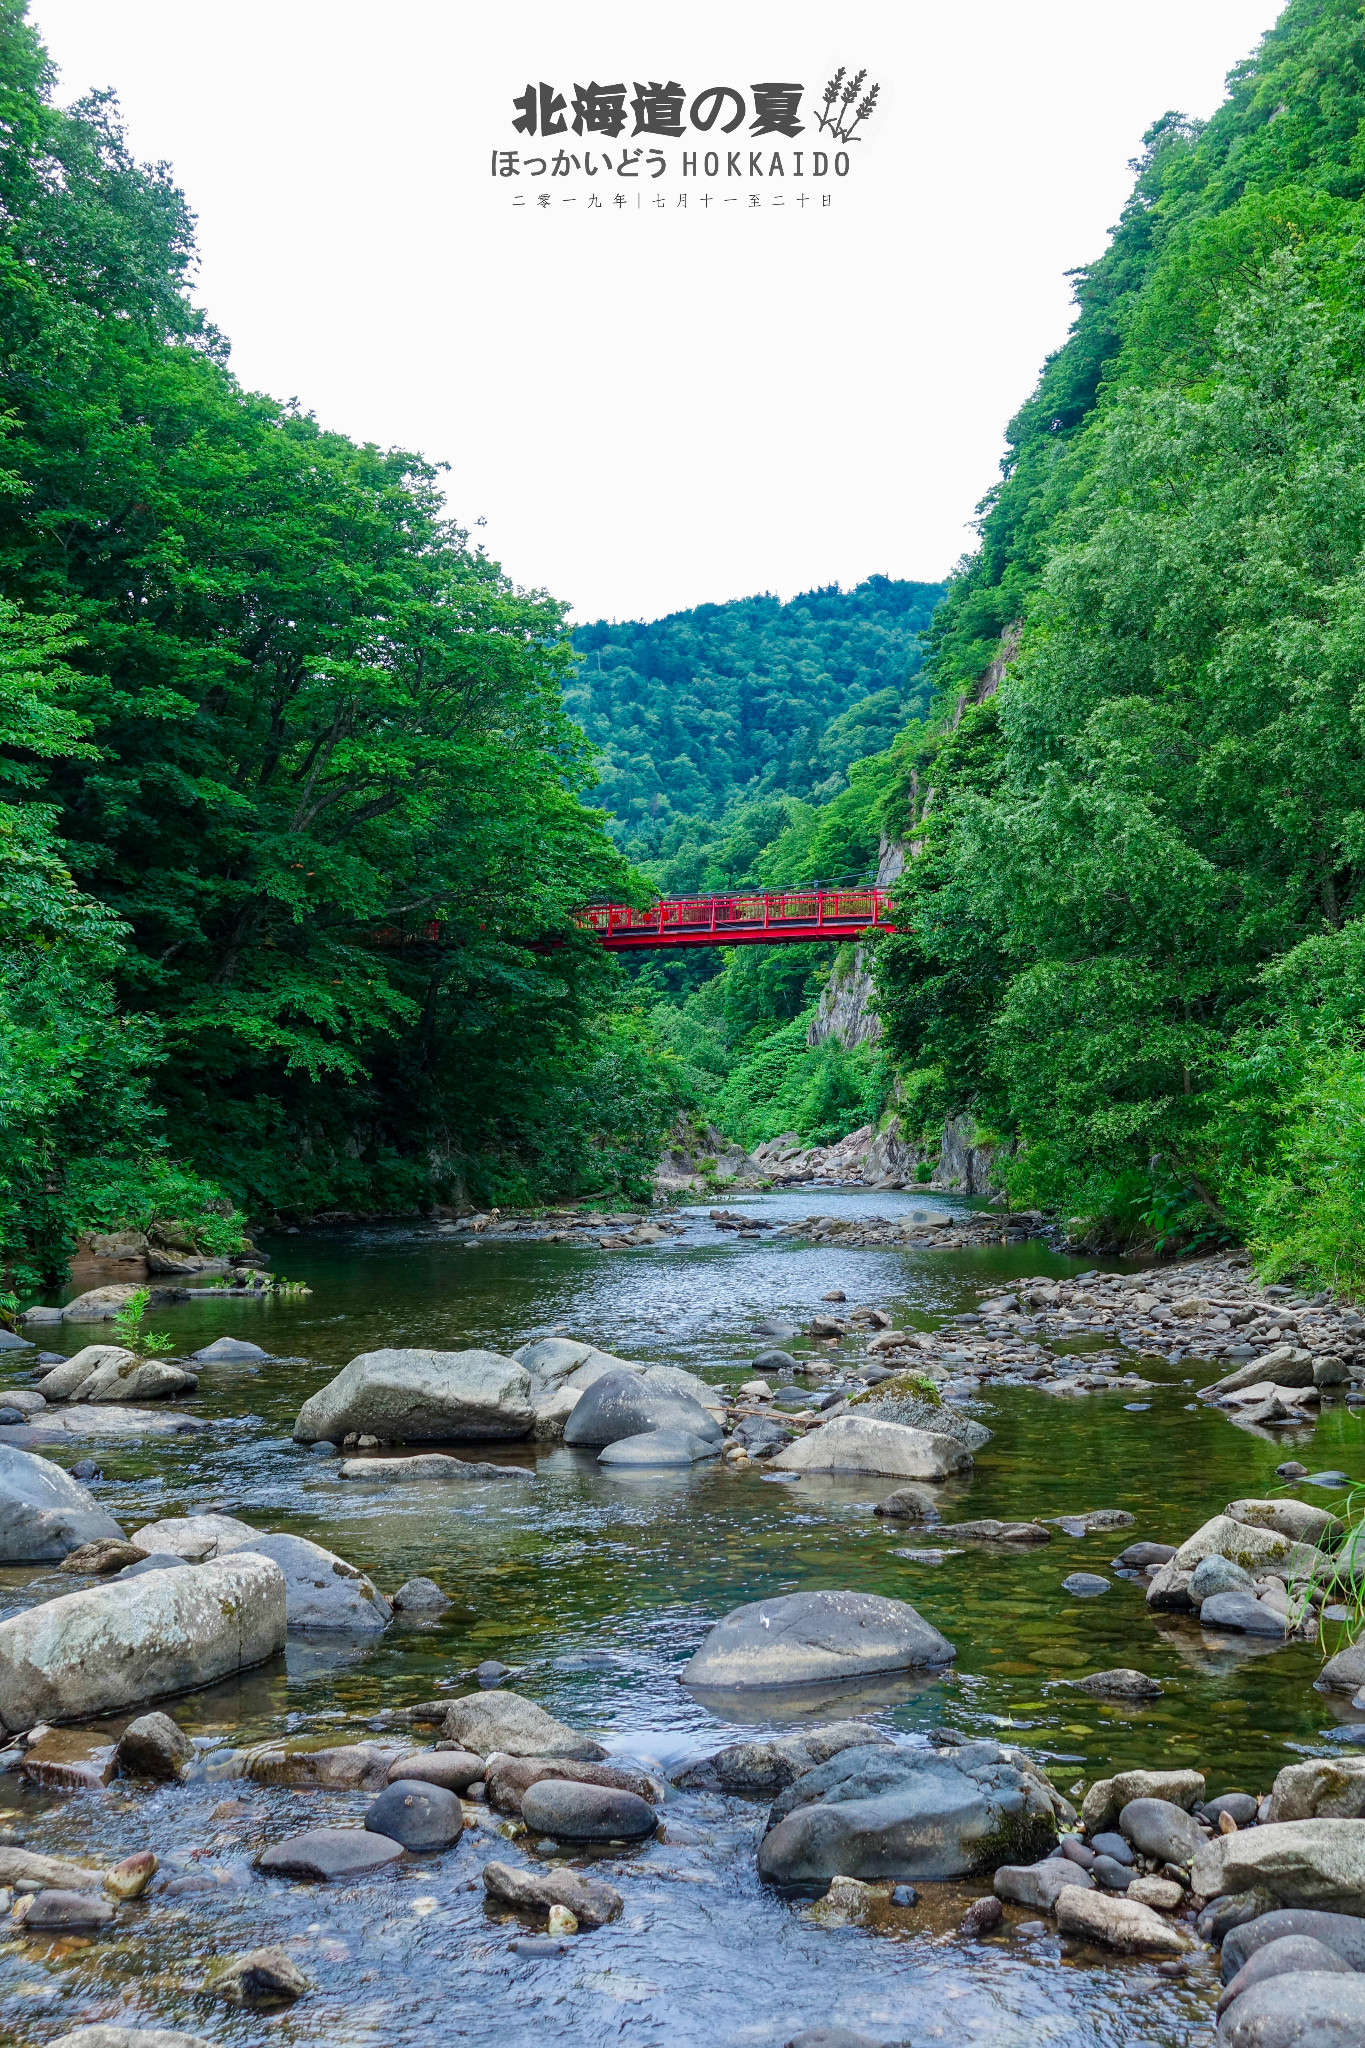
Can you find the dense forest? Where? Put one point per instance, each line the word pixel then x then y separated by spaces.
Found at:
pixel 1133 943
pixel 265 717
pixel 754 698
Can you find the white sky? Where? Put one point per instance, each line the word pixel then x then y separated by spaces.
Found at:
pixel 652 408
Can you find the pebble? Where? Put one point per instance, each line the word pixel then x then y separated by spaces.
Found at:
pixel 904 1895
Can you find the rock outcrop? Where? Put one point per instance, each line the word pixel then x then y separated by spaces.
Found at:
pixel 421 1397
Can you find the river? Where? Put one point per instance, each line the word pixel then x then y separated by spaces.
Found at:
pixel 597 1588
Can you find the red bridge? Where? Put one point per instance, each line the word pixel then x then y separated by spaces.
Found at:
pixel 751 920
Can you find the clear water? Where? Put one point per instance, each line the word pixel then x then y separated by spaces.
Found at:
pixel 598 1587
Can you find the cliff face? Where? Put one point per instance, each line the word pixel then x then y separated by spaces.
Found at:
pixel 846 1010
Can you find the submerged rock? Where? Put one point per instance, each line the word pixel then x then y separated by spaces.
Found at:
pixel 322 1591
pixel 267 1976
pixel 658 1447
pixel 129 2037
pixel 420 1596
pixel 902 1813
pixel 427 1465
pixel 909 1504
pixel 44 1514
pixel 1122 1683
pixel 592 1903
pixel 807 1638
pixel 118 1644
pixel 325 1853
pixel 406 1396
pixel 485 1722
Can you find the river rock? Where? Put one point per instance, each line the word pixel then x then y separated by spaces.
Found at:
pixel 812 1638
pixel 1122 1683
pixel 620 1405
pixel 1038 1885
pixel 267 1976
pixel 1169 1588
pixel 228 1351
pixel 1318 1863
pixel 44 1513
pixel 509 1778
pixel 52 1912
pixel 322 1591
pixel 1119 1923
pixel 552 1361
pixel 1014 1533
pixel 909 1504
pixel 1138 1556
pixel 106 1554
pixel 1300 2010
pixel 99 1304
pixel 1107 1797
pixel 763 1768
pixel 1256 1550
pixel 1242 1614
pixel 334 1767
pixel 1287 1364
pixel 1218 1575
pixel 592 1903
pixel 485 1722
pixel 1346 1671
pixel 1163 1894
pixel 585 1813
pixel 325 1853
pixel 419 1815
pixel 1160 1829
pixel 886 1450
pixel 658 1447
pixel 674 1380
pixel 428 1465
pixel 420 1596
pixel 1085 1585
pixel 27 1867
pixel 1292 1952
pixel 874 1813
pixel 126 1641
pixel 135 1379
pixel 454 1770
pixel 129 2037
pixel 1332 1788
pixel 155 1561
pixel 197 1537
pixel 1340 1932
pixel 70 1759
pixel 153 1746
pixel 421 1396
pixel 1296 1519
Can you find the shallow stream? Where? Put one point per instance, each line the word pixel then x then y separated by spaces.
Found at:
pixel 598 1587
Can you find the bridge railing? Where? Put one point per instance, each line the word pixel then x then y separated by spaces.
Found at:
pixel 810 909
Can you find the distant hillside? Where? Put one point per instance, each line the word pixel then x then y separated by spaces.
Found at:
pixel 751 698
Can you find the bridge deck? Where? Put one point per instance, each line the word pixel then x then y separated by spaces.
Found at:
pixel 788 917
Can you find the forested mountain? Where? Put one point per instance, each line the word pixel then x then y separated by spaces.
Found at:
pixel 264 715
pixel 748 699
pixel 1134 940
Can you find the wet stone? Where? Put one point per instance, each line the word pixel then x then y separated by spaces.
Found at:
pixel 326 1853
pixel 1085 1585
pixel 420 1816
pixel 454 1770
pixel 585 1813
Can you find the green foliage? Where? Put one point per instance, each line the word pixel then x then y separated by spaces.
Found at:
pixel 821 1092
pixel 750 698
pixel 293 774
pixel 129 1333
pixel 1128 939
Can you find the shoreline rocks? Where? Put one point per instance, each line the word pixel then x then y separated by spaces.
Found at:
pixel 120 1644
pixel 409 1396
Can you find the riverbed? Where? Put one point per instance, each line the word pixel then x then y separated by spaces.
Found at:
pixel 597 1588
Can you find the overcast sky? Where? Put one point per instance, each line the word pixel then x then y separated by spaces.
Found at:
pixel 652 406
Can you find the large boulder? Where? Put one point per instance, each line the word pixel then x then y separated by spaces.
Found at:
pixel 99 1304
pixel 119 1644
pixel 1299 1520
pixel 552 1361
pixel 882 1450
pixel 44 1513
pixel 322 1591
pixel 135 1379
pixel 487 1722
pixel 1288 1365
pixel 624 1404
pixel 421 1397
pixel 1300 2010
pixel 66 1379
pixel 1337 1931
pixel 1256 1550
pixel 906 1813
pixel 1326 1787
pixel 1319 1863
pixel 196 1538
pixel 815 1638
